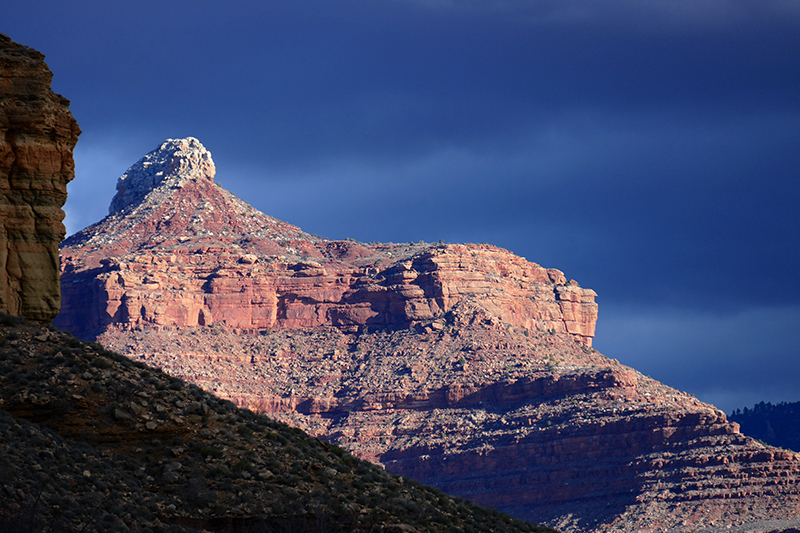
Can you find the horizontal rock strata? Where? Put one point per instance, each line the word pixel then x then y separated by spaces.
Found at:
pixel 183 252
pixel 463 366
pixel 37 135
pixel 536 425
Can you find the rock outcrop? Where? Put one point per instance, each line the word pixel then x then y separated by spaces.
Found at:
pixel 177 250
pixel 172 165
pixel 463 366
pixel 37 135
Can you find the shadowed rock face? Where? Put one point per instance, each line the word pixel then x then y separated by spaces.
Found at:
pixel 37 135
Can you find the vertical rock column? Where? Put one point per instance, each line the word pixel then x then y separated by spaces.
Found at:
pixel 37 135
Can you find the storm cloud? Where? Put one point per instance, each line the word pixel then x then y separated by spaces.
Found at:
pixel 648 150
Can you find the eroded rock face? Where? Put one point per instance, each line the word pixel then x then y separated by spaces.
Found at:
pixel 177 250
pixel 531 423
pixel 37 136
pixel 463 366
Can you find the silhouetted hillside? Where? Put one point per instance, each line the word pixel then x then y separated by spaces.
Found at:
pixel 93 442
pixel 778 425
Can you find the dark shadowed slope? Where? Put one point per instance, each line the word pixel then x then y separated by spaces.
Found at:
pixel 92 441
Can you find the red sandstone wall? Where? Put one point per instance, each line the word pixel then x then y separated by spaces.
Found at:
pixel 37 135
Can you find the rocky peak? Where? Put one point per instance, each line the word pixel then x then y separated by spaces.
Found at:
pixel 173 164
pixel 462 365
pixel 238 267
pixel 169 198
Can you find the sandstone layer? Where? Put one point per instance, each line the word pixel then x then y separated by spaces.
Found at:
pixel 462 366
pixel 177 250
pixel 536 424
pixel 37 135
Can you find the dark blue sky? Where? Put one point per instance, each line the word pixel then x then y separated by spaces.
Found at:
pixel 650 150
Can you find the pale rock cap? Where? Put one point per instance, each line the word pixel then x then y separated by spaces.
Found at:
pixel 174 163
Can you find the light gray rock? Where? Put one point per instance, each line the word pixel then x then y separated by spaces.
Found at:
pixel 174 163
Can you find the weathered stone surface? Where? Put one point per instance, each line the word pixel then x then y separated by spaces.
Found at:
pixel 463 366
pixel 534 424
pixel 37 135
pixel 172 164
pixel 177 250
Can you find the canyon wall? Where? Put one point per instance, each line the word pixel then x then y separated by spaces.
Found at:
pixel 178 251
pixel 461 365
pixel 37 136
pixel 242 291
pixel 531 423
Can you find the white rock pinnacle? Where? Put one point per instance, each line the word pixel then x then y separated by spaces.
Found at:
pixel 172 164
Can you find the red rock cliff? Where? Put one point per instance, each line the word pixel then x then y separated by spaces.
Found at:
pixel 177 250
pixel 529 422
pixel 463 366
pixel 37 135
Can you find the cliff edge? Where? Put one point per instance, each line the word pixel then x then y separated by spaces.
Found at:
pixel 460 365
pixel 37 136
pixel 177 250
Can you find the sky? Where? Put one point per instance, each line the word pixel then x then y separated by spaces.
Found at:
pixel 648 149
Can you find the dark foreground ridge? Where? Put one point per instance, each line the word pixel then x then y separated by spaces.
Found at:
pixel 92 441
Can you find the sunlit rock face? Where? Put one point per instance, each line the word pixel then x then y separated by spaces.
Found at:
pixel 177 250
pixel 461 365
pixel 37 136
pixel 529 422
pixel 171 165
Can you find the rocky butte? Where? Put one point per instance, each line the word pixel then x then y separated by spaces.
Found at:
pixel 91 441
pixel 37 135
pixel 176 251
pixel 463 366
